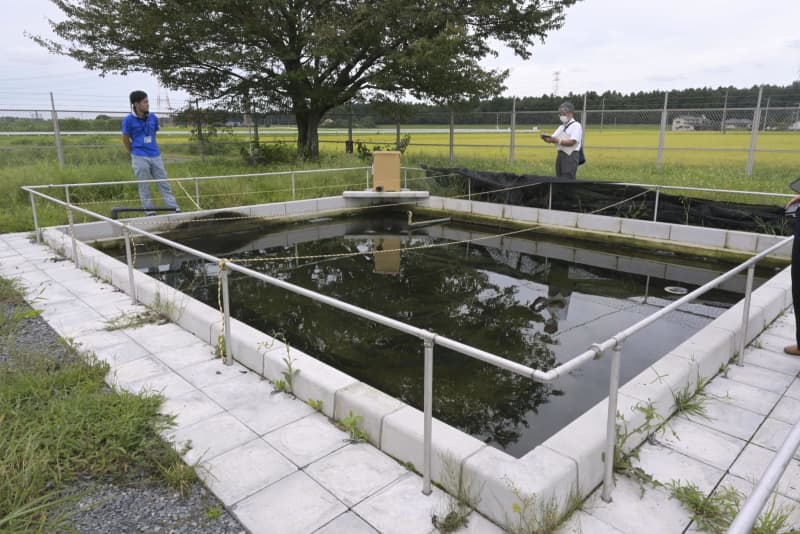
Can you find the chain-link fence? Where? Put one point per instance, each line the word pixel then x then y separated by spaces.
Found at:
pixel 734 137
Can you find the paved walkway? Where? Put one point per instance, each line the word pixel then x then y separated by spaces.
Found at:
pixel 281 467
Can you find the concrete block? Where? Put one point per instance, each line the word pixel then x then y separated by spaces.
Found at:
pixel 741 241
pixel 766 241
pixel 402 508
pixel 308 439
pixel 331 204
pixel 567 219
pixel 661 381
pixel 300 207
pixel 584 440
pixel 710 348
pixel 457 205
pixel 645 229
pixel 500 481
pixel 599 223
pixel 523 213
pixel 487 209
pixel 402 438
pixel 370 404
pixel 697 235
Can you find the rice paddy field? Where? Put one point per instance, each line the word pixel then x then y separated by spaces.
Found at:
pixel 690 159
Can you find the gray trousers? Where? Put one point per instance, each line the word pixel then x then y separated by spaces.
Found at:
pixel 567 166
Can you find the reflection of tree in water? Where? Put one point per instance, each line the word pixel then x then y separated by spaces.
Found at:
pixel 437 290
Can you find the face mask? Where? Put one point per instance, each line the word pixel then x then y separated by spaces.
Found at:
pixel 564 119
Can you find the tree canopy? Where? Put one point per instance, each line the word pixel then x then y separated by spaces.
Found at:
pixel 306 56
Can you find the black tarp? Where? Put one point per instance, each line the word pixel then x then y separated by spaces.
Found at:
pixel 617 200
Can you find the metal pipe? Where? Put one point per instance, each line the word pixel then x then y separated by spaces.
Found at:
pixel 129 261
pixel 469 188
pixel 37 231
pixel 293 186
pixel 655 208
pixel 226 313
pixel 748 290
pixel 751 154
pixel 197 192
pixel 428 409
pixel 550 197
pixel 611 423
pixel 70 218
pixel 661 134
pixel 749 512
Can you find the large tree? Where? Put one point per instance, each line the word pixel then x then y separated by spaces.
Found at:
pixel 307 56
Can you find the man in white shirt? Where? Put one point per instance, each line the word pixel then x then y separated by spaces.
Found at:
pixel 567 139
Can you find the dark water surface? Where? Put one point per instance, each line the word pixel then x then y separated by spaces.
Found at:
pixel 534 300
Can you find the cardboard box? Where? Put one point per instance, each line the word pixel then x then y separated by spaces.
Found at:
pixel 386 171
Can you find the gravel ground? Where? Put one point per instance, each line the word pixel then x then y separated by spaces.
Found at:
pixel 129 506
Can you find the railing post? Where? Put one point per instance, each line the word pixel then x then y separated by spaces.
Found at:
pixel 197 192
pixel 293 185
pixel 70 218
pixel 405 179
pixel 428 409
pixel 655 207
pixel 611 423
pixel 746 313
pixel 129 261
pixel 469 188
pixel 226 314
pixel 36 228
pixel 550 197
pixel 368 178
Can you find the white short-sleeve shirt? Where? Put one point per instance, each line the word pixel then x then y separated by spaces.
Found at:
pixel 573 130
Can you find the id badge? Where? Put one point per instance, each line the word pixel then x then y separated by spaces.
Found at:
pixel 148 139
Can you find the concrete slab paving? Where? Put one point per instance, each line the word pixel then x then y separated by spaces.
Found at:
pixel 402 508
pixel 295 504
pixel 754 459
pixel 244 470
pixel 308 439
pixel 347 523
pixel 665 465
pixel 743 395
pixel 728 418
pixel 335 472
pixel 210 437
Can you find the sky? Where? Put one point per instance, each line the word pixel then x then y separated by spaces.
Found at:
pixel 604 45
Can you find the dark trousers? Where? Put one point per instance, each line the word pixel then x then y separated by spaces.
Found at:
pixel 567 166
pixel 796 280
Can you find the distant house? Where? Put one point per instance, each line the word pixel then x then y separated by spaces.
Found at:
pixel 691 122
pixel 738 124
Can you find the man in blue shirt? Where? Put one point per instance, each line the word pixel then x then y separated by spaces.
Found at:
pixel 139 137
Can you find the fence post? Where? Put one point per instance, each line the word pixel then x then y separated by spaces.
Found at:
pixel 766 116
pixel 746 313
pixel 583 114
pixel 428 408
pixel 197 192
pixel 293 185
pixel 36 228
pixel 452 136
pixel 397 134
pixel 611 423
pixel 751 156
pixel 57 132
pixel 662 133
pixel 724 112
pixel 513 130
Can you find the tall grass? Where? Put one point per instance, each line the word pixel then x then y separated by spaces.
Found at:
pixel 59 421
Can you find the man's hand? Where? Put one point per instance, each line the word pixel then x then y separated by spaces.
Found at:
pixel 795 200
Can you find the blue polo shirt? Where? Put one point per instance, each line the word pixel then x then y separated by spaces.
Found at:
pixel 143 134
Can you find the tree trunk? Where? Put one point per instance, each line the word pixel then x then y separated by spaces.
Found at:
pixel 308 133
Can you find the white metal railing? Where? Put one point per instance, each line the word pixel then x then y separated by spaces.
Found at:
pixel 748 514
pixel 430 339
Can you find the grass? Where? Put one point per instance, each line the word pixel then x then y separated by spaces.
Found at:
pixel 716 512
pixel 59 421
pixel 627 155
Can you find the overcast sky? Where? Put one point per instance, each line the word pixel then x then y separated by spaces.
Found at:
pixel 623 45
